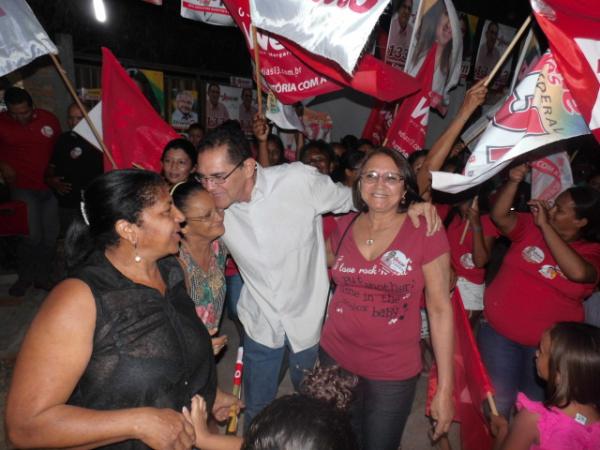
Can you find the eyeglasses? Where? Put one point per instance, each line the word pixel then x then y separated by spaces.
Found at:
pixel 217 179
pixel 389 178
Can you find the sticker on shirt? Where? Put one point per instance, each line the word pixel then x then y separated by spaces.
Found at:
pixel 466 261
pixel 47 131
pixel 550 272
pixel 533 254
pixel 396 262
pixel 76 153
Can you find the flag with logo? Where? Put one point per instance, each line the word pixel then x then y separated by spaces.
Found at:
pixel 336 30
pixel 22 38
pixel 212 12
pixel 573 32
pixel 378 123
pixel 550 176
pixel 409 126
pixel 284 116
pixel 540 111
pixel 133 131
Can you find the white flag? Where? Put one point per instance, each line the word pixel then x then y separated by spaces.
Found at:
pixel 84 130
pixel 284 116
pixel 22 38
pixel 550 176
pixel 337 30
pixel 539 112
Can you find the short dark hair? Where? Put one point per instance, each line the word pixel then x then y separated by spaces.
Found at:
pixel 238 147
pixel 321 146
pixel 416 155
pixel 410 180
pixel 181 193
pixel 587 206
pixel 575 355
pixel 15 95
pixel 184 145
pixel 110 197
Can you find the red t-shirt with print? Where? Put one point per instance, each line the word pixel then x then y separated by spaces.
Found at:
pixel 530 294
pixel 461 255
pixel 373 324
pixel 28 148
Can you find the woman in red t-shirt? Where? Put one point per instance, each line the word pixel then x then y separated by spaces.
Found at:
pixel 551 267
pixel 380 266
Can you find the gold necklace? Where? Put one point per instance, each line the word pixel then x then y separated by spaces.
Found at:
pixel 370 241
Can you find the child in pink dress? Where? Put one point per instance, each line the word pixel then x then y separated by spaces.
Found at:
pixel 569 360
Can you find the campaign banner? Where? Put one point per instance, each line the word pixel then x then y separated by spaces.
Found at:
pixel 212 12
pixel 437 24
pixel 22 39
pixel 379 122
pixel 550 176
pixel 283 116
pixel 540 111
pixel 574 37
pixel 183 109
pixel 230 103
pixel 336 30
pixel 495 38
pixel 289 78
pixel 400 34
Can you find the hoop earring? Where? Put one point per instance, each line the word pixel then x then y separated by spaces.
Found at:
pixel 137 257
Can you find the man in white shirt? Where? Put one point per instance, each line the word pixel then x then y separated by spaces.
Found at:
pixel 273 230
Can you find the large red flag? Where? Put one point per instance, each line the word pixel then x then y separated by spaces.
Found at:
pixel 574 37
pixel 409 127
pixel 133 132
pixel 471 383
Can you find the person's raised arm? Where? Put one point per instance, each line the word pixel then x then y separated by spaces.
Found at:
pixel 441 148
pixel 482 244
pixel 501 214
pixel 571 263
pixel 439 309
pixel 260 128
pixel 52 359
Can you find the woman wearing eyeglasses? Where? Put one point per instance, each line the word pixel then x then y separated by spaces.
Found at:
pixel 381 264
pixel 202 254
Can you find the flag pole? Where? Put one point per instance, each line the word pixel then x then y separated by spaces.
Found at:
pixel 71 89
pixel 507 52
pixel 492 403
pixel 257 70
pixel 464 233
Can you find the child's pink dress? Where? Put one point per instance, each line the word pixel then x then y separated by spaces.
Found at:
pixel 559 431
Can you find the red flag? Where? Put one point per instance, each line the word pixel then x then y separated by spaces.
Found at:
pixel 574 37
pixel 471 383
pixel 133 132
pixel 409 127
pixel 378 123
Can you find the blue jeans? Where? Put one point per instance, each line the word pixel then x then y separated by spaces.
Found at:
pixel 379 408
pixel 234 285
pixel 511 367
pixel 35 252
pixel 261 373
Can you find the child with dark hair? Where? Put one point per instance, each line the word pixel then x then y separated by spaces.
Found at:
pixel 314 419
pixel 568 359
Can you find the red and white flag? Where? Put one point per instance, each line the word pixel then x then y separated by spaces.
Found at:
pixel 336 30
pixel 212 12
pixel 573 32
pixel 22 38
pixel 133 131
pixel 409 126
pixel 550 176
pixel 540 111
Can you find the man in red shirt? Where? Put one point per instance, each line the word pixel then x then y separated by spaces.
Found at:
pixel 27 137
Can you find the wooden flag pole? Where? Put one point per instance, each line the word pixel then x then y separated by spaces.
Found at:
pixel 492 404
pixel 507 52
pixel 257 71
pixel 71 89
pixel 464 233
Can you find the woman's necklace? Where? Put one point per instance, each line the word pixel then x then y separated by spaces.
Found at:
pixel 370 241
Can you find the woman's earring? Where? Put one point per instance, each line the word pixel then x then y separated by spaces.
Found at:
pixel 137 257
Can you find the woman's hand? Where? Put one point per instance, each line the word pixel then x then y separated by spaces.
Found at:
pixel 165 429
pixel 517 173
pixel 223 404
pixel 442 412
pixel 260 128
pixel 427 210
pixel 473 213
pixel 474 98
pixel 218 343
pixel 198 417
pixel 539 209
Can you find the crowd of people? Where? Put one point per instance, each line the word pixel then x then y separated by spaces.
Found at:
pixel 340 257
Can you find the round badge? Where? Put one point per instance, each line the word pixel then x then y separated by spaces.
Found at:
pixel 548 271
pixel 75 152
pixel 47 131
pixel 533 254
pixel 466 261
pixel 397 262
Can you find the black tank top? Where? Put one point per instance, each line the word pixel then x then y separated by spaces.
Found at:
pixel 149 350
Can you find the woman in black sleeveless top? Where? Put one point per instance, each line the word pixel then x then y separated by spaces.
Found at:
pixel 117 350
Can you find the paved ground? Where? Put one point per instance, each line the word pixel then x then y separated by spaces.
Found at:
pixel 16 315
